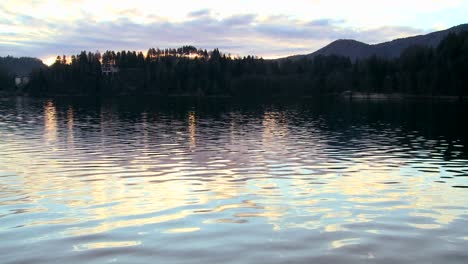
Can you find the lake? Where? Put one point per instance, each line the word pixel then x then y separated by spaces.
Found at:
pixel 216 181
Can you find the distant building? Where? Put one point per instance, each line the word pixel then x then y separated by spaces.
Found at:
pixel 108 69
pixel 21 81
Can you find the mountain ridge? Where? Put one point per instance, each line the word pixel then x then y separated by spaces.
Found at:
pixel 354 49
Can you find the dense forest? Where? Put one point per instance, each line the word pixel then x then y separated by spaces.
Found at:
pixel 6 80
pixel 10 67
pixel 191 71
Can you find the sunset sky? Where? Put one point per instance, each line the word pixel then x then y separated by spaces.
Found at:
pixel 265 28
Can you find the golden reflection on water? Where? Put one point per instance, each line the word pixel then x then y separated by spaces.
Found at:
pixel 50 121
pixel 344 242
pixel 111 225
pixel 192 128
pixel 71 137
pixel 99 245
pixel 182 230
pixel 144 129
pixel 114 197
pixel 150 190
pixel 275 129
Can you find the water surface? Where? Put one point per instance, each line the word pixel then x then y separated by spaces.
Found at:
pixel 179 181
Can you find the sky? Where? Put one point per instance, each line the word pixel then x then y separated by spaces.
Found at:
pixel 266 28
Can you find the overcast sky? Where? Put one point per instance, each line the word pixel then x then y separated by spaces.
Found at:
pixel 267 28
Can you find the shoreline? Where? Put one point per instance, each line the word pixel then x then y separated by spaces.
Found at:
pixel 343 96
pixel 399 96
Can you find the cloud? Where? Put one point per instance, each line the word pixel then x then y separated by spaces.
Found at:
pixel 239 20
pixel 326 22
pixel 200 13
pixel 244 34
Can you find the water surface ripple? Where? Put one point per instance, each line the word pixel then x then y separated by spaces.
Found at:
pixel 219 182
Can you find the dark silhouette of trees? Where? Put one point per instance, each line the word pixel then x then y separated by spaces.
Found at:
pixel 6 80
pixel 20 66
pixel 191 71
pixel 11 67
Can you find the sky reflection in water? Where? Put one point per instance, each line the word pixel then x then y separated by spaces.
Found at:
pixel 219 182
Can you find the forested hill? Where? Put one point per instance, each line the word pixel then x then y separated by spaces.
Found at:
pixel 422 70
pixel 11 67
pixel 20 66
pixel 389 50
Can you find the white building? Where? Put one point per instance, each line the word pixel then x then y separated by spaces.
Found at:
pixel 21 81
pixel 109 69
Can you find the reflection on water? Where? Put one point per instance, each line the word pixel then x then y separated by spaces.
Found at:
pixel 219 182
pixel 106 245
pixel 70 126
pixel 50 121
pixel 192 128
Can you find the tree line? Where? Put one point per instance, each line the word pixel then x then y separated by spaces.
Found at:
pixel 191 71
pixel 11 67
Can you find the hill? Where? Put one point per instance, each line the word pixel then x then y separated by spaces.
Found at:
pixel 388 50
pixel 20 66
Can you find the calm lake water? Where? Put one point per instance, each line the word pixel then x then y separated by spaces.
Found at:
pixel 213 181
